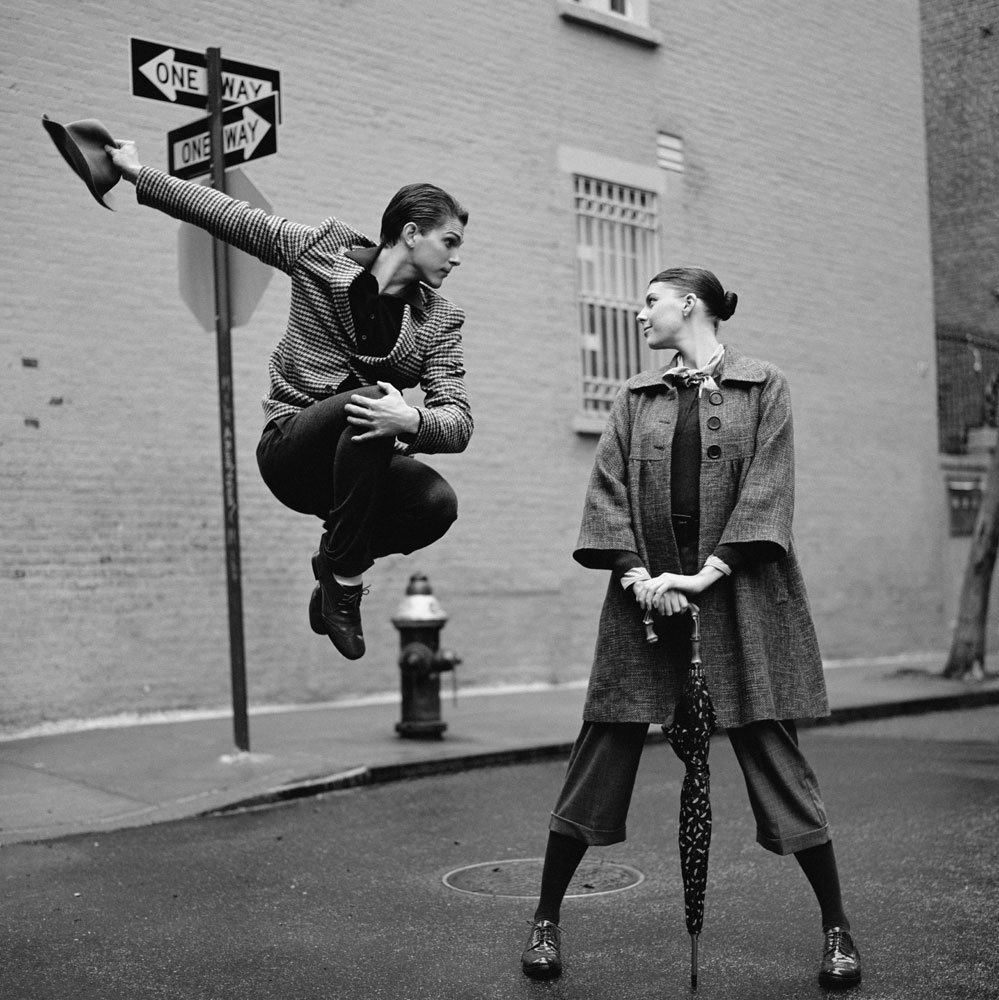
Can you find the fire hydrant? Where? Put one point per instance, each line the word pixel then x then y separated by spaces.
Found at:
pixel 419 620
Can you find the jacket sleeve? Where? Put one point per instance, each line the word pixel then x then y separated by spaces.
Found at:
pixel 445 414
pixel 607 528
pixel 765 508
pixel 276 241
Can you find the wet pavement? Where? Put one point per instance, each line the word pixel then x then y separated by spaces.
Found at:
pixel 347 895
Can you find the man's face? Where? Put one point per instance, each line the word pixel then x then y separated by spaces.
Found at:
pixel 435 252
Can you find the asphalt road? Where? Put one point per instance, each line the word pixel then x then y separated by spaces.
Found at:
pixel 344 896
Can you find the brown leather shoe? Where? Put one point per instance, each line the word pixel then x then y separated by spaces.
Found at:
pixel 840 968
pixel 542 958
pixel 335 610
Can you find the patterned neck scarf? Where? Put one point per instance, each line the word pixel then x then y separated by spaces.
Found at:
pixel 701 377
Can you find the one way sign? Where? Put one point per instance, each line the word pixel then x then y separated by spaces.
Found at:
pixel 166 73
pixel 248 132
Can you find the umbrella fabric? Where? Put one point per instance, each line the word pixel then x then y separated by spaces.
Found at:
pixel 690 736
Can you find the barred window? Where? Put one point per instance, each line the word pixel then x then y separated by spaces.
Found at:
pixel 615 253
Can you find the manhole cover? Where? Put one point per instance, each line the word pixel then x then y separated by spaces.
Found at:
pixel 521 878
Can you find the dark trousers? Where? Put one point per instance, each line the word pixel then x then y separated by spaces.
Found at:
pixel 783 791
pixel 373 501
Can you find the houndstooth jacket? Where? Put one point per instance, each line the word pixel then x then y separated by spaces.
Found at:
pixel 317 350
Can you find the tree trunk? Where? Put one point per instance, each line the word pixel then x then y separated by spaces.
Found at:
pixel 967 650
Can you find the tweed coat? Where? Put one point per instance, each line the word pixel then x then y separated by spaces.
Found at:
pixel 758 643
pixel 318 349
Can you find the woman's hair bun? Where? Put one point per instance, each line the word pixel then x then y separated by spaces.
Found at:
pixel 729 303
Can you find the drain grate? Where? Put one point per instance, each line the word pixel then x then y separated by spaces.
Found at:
pixel 521 878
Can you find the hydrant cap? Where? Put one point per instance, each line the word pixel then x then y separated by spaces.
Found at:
pixel 419 606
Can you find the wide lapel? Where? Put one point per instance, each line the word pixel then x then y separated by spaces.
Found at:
pixel 736 367
pixel 660 401
pixel 348 263
pixel 649 379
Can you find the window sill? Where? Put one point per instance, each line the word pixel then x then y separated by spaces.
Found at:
pixel 584 423
pixel 613 25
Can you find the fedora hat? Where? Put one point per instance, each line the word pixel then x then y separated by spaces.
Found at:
pixel 82 146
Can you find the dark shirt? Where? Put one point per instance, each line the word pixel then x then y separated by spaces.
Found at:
pixel 685 460
pixel 685 482
pixel 377 318
pixel 377 321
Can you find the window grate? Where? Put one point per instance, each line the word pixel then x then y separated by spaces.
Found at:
pixel 615 254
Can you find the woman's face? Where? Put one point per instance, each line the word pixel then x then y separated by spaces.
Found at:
pixel 662 317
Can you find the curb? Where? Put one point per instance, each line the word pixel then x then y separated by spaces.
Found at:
pixel 361 777
pixel 914 706
pixel 383 773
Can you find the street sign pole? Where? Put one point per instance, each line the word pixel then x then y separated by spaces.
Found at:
pixel 227 424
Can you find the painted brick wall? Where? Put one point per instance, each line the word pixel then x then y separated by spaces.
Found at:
pixel 804 189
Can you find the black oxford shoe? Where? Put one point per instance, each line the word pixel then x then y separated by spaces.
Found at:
pixel 542 958
pixel 335 610
pixel 840 961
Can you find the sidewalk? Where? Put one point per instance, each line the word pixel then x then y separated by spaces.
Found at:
pixel 105 779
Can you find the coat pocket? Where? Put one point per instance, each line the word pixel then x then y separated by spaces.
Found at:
pixel 651 443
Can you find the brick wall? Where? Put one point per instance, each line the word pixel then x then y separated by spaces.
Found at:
pixel 961 70
pixel 804 189
pixel 961 77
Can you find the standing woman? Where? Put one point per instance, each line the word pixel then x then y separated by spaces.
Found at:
pixel 691 496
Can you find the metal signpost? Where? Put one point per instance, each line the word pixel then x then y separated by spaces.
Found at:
pixel 227 423
pixel 245 131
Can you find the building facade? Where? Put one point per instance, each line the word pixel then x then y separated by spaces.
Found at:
pixel 961 71
pixel 961 77
pixel 593 142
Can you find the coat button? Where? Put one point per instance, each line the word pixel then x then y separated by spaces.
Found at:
pixel 714 423
pixel 714 451
pixel 716 398
pixel 329 389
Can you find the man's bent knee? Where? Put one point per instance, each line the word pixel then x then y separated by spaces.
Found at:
pixel 437 511
pixel 442 501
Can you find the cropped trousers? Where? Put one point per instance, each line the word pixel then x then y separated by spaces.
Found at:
pixel 783 791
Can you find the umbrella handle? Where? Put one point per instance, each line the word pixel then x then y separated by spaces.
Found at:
pixel 695 617
pixel 650 629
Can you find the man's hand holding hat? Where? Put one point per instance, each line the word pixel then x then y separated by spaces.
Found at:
pixel 125 156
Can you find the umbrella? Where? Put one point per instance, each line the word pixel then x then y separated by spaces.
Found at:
pixel 690 737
